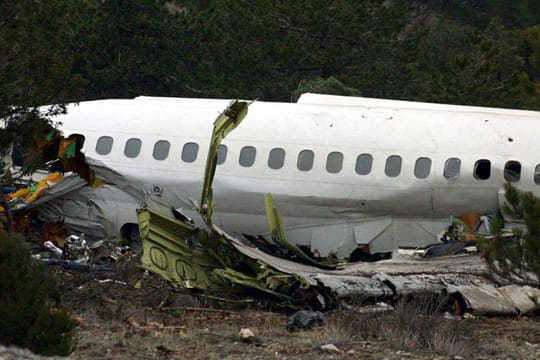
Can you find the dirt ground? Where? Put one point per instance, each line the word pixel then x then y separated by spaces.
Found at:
pixel 132 314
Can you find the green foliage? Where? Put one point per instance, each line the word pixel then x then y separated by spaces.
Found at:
pixel 516 13
pixel 124 48
pixel 389 50
pixel 27 292
pixel 34 68
pixel 468 52
pixel 431 50
pixel 517 259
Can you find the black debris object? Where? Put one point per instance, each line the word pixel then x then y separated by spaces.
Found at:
pixel 305 320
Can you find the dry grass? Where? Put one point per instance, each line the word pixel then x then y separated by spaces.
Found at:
pixel 122 321
pixel 416 323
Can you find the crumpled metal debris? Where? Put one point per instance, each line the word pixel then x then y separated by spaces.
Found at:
pixel 76 249
pixel 489 300
pixel 205 257
pixel 53 248
pixel 51 187
pixel 119 252
pixel 459 238
pixel 304 320
pixel 74 252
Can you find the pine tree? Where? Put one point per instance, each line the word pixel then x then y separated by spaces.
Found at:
pixel 516 259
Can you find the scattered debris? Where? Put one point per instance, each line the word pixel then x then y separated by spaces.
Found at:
pixel 304 320
pixel 51 187
pixel 459 238
pixel 246 335
pixel 53 248
pixel 330 348
pixel 451 247
pixel 379 307
pixel 74 252
pixel 76 249
pixel 119 252
pixel 489 300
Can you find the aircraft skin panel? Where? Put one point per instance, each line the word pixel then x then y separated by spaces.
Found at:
pixel 407 130
pixel 337 100
pixel 324 125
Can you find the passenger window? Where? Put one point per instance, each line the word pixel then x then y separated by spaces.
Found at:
pixel 305 160
pixel 221 154
pixel 247 156
pixel 104 145
pixel 161 150
pixel 393 166
pixel 363 164
pixel 334 162
pixel 512 171
pixel 276 158
pixel 482 169
pixel 189 152
pixel 537 174
pixel 422 167
pixel 132 148
pixel 451 168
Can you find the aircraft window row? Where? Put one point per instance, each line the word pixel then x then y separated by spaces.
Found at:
pixel 247 156
pixel 161 150
pixel 512 171
pixel 132 148
pixel 334 160
pixel 190 152
pixel 276 158
pixel 104 145
pixel 422 167
pixel 363 164
pixel 452 168
pixel 221 154
pixel 482 169
pixel 305 160
pixel 393 166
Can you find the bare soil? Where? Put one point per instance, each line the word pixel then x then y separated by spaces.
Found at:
pixel 130 314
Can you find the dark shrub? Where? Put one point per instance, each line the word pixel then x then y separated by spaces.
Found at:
pixel 27 292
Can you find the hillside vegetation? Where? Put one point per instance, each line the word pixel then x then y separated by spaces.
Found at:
pixel 468 52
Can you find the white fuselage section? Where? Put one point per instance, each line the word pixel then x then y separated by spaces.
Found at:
pixel 365 166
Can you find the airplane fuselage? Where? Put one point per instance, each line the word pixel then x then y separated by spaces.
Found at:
pixel 336 166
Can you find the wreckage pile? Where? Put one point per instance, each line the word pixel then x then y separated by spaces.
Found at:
pixel 207 258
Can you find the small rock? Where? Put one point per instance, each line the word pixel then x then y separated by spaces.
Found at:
pixel 351 352
pixel 457 357
pixel 246 335
pixel 330 348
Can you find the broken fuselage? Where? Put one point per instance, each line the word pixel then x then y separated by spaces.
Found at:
pixel 344 172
